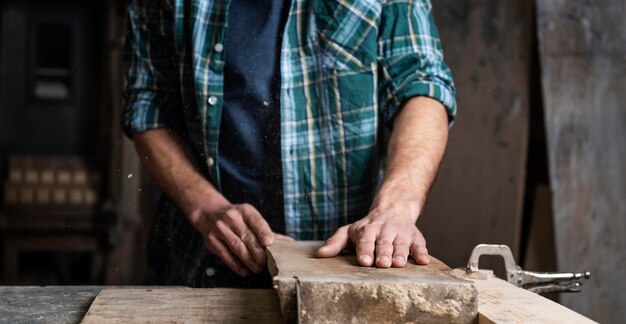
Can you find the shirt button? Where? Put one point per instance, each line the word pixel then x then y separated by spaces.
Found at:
pixel 210 162
pixel 212 100
pixel 218 47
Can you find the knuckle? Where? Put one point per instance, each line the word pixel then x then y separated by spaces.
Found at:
pixel 245 207
pixel 230 213
pixel 257 224
pixel 234 242
pixel 364 240
pixel 220 225
pixel 246 237
pixel 384 241
pixel 401 244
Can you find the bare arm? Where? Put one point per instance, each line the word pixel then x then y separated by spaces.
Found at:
pixel 235 233
pixel 389 232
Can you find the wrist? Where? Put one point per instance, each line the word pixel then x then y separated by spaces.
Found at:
pixel 397 203
pixel 200 200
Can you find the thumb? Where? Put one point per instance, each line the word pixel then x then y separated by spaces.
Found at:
pixel 334 244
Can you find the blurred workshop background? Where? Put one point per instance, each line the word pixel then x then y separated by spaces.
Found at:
pixel 536 159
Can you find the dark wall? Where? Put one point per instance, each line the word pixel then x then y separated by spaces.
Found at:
pixel 478 194
pixel 49 78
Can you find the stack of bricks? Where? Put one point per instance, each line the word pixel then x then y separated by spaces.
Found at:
pixel 51 183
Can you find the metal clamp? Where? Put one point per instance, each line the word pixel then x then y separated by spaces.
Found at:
pixel 538 282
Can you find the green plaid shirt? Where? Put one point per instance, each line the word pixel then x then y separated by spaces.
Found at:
pixel 346 68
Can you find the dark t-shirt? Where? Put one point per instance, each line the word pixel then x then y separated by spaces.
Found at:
pixel 249 143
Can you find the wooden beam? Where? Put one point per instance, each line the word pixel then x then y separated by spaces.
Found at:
pixel 184 305
pixel 500 302
pixel 313 290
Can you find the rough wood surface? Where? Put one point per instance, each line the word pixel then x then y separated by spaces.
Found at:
pixel 313 290
pixel 478 194
pixel 583 65
pixel 184 305
pixel 500 302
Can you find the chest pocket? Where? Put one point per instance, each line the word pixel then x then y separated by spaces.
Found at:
pixel 347 32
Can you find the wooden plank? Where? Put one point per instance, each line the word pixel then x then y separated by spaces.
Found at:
pixel 184 305
pixel 583 64
pixel 478 194
pixel 338 290
pixel 501 302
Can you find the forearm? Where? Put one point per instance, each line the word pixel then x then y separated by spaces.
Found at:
pixel 415 150
pixel 170 163
pixel 236 234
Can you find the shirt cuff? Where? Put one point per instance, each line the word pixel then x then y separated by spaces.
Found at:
pixel 146 110
pixel 433 90
pixel 417 75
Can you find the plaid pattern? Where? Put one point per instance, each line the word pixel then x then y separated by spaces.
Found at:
pixel 346 68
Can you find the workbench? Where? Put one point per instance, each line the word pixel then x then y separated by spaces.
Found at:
pixel 308 290
pixel 69 304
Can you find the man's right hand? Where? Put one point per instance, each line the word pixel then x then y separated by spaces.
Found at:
pixel 237 234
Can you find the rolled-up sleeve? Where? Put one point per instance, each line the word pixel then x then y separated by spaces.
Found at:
pixel 152 91
pixel 411 59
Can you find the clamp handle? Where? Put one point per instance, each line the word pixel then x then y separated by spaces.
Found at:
pixel 539 282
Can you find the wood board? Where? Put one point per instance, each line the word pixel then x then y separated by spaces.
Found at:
pixel 501 302
pixel 314 290
pixel 184 305
pixel 583 65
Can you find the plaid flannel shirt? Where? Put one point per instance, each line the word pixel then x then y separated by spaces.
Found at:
pixel 346 67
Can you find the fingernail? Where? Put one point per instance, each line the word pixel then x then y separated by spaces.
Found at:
pixel 267 240
pixel 424 258
pixel 366 259
pixel 399 259
pixel 383 259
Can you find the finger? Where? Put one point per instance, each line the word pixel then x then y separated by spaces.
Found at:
pixel 334 244
pixel 237 247
pixel 241 229
pixel 419 251
pixel 258 224
pixel 365 239
pixel 400 251
pixel 280 237
pixel 215 246
pixel 254 247
pixel 384 248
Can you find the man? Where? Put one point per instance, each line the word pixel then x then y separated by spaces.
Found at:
pixel 263 120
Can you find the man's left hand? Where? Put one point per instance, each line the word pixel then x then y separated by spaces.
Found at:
pixel 384 237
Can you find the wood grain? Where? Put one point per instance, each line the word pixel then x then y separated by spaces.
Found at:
pixel 184 305
pixel 583 60
pixel 501 302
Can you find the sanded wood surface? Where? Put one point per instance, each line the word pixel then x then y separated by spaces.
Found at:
pixel 583 65
pixel 338 290
pixel 501 302
pixel 184 305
